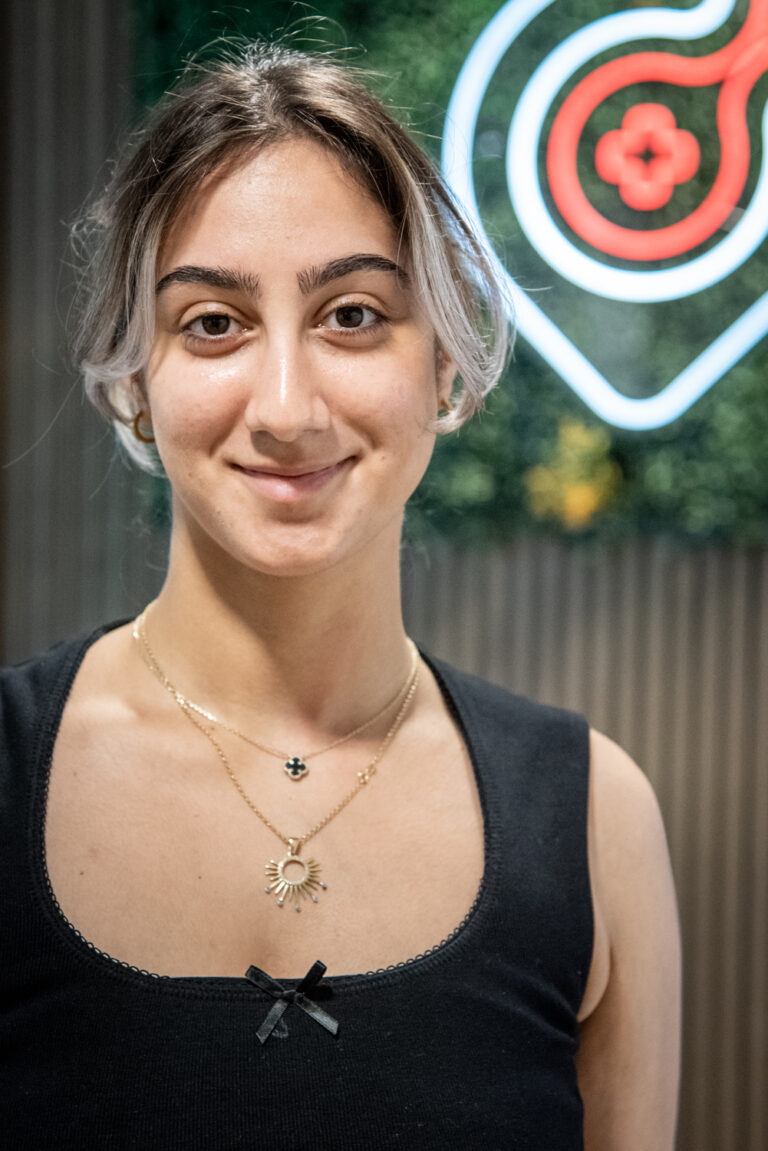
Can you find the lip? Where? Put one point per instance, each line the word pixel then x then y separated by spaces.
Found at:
pixel 289 484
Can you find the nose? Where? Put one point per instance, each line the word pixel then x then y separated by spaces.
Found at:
pixel 286 399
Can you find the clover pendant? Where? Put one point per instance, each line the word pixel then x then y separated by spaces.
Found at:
pixel 295 767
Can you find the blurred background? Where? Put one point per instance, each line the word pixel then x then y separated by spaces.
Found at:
pixel 620 572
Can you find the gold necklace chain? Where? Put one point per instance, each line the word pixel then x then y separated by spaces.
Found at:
pixel 282 883
pixel 363 777
pixel 295 765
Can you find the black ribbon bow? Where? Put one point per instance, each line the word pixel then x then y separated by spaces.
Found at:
pixel 284 996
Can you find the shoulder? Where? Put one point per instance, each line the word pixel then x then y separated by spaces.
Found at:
pixel 26 686
pixel 28 692
pixel 33 678
pixel 525 721
pixel 628 1059
pixel 617 775
pixel 630 874
pixel 35 689
pixel 33 695
pixel 630 861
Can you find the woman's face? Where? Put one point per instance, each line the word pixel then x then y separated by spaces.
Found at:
pixel 293 379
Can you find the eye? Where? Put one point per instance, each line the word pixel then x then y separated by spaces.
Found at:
pixel 213 334
pixel 353 317
pixel 211 325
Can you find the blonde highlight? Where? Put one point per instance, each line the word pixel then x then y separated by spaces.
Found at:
pixel 223 112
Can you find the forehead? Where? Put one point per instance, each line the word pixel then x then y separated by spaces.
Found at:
pixel 292 204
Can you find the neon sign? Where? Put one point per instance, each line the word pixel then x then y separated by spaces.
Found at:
pixel 647 157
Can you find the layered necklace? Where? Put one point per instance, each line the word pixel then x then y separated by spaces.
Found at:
pixel 291 878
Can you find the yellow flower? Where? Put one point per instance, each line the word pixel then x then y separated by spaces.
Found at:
pixel 578 478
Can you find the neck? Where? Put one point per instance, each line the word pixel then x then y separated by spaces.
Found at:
pixel 305 653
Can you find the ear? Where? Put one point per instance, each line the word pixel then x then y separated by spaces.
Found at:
pixel 445 369
pixel 137 389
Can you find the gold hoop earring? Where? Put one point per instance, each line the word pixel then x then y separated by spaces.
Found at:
pixel 137 430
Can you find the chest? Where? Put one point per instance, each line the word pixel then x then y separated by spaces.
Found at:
pixel 156 858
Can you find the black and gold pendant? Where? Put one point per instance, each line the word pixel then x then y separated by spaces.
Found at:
pixel 292 878
pixel 295 767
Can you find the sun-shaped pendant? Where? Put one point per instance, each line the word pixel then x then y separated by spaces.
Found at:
pixel 293 878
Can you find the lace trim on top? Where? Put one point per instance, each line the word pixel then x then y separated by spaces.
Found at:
pixel 357 975
pixel 121 963
pixel 436 947
pixel 92 946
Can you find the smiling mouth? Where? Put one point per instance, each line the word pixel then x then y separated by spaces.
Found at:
pixel 290 484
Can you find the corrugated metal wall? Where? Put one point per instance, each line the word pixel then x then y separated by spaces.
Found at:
pixel 69 506
pixel 667 652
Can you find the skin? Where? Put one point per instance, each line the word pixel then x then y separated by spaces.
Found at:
pixel 292 394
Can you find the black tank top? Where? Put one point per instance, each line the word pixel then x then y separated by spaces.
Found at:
pixel 470 1045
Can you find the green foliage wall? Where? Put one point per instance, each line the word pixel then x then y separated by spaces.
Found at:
pixel 538 460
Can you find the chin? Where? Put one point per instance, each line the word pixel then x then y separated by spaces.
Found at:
pixel 284 549
pixel 293 566
pixel 286 559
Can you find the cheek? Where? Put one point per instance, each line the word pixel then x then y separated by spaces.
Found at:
pixel 401 397
pixel 406 438
pixel 193 402
pixel 412 408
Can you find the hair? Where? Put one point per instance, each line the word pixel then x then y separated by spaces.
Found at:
pixel 218 116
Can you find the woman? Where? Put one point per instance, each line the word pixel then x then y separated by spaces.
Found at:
pixel 261 771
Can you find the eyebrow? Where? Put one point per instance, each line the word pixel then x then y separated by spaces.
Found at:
pixel 232 279
pixel 318 277
pixel 229 279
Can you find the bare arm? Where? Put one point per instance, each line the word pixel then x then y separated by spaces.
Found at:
pixel 628 1062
